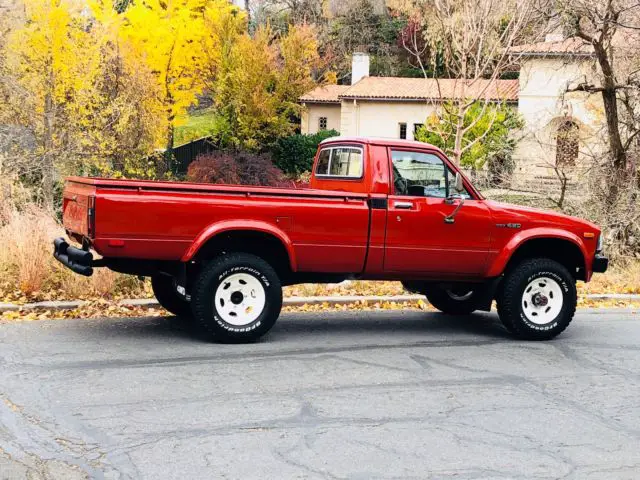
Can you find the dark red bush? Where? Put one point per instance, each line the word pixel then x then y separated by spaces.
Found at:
pixel 241 168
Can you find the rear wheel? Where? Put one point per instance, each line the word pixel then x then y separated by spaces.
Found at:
pixel 237 298
pixel 165 292
pixel 538 299
pixel 454 300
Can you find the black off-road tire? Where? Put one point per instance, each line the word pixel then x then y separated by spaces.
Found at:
pixel 442 299
pixel 510 299
pixel 165 292
pixel 205 310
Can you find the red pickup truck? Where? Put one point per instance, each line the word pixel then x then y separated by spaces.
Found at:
pixel 376 209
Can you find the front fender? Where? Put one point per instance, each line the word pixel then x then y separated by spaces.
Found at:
pixel 503 257
pixel 241 225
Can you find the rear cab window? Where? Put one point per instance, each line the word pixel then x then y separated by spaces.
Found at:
pixel 340 162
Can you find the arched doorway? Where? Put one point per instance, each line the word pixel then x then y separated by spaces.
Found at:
pixel 567 143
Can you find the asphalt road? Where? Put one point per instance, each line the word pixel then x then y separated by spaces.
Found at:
pixel 335 395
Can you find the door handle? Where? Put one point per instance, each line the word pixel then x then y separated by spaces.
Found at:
pixel 403 205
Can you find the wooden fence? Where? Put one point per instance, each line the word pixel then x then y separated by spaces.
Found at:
pixel 187 153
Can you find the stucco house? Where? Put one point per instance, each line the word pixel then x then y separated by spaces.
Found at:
pixel 561 128
pixel 389 106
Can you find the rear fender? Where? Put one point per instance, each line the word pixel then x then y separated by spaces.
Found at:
pixel 241 225
pixel 503 257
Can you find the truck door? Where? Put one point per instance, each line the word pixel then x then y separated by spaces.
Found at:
pixel 419 240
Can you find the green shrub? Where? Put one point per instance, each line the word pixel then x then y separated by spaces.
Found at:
pixel 294 154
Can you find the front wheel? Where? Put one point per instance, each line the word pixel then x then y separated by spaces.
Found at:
pixel 455 300
pixel 237 298
pixel 538 299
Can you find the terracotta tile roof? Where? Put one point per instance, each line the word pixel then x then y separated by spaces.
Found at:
pixel 399 88
pixel 324 94
pixel 568 46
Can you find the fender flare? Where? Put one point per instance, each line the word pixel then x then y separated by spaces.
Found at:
pixel 241 225
pixel 502 259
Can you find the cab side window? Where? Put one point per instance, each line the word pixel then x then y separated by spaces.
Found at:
pixel 420 174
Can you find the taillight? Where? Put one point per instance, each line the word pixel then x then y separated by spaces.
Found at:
pixel 91 217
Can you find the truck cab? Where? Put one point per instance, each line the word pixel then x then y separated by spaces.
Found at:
pixel 376 209
pixel 435 221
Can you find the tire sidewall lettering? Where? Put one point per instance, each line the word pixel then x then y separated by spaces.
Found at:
pixel 244 269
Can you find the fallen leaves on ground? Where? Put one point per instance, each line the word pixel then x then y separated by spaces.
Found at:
pixel 349 287
pixel 101 309
pixel 95 309
pixel 596 303
pixel 361 305
pixel 10 293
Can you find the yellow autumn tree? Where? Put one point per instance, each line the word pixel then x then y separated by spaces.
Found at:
pixel 75 97
pixel 167 38
pixel 224 24
pixel 250 105
pixel 299 64
pixel 121 114
pixel 255 80
pixel 49 59
pixel 96 90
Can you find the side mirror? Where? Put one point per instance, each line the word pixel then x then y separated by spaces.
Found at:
pixel 458 185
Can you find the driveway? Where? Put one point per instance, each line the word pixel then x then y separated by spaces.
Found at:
pixel 358 395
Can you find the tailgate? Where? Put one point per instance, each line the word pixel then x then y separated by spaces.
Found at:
pixel 78 208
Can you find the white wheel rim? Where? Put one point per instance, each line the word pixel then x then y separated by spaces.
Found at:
pixel 240 299
pixel 542 300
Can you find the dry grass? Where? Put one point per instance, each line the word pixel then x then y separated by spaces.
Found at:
pixel 23 237
pixel 29 272
pixel 623 277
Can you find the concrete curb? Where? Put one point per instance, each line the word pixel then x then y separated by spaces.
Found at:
pixel 290 301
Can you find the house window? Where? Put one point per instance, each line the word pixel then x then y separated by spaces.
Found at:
pixel 416 127
pixel 567 144
pixel 322 123
pixel 403 130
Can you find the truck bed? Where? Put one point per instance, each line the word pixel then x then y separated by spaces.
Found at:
pixel 173 218
pixel 156 185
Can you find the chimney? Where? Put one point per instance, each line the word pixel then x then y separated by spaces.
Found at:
pixel 359 67
pixel 554 30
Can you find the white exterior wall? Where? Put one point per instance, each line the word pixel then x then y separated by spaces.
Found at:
pixel 382 118
pixel 311 113
pixel 544 105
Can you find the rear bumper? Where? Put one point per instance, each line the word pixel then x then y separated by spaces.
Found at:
pixel 76 259
pixel 600 263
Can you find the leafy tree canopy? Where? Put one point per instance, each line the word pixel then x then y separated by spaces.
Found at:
pixel 487 127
